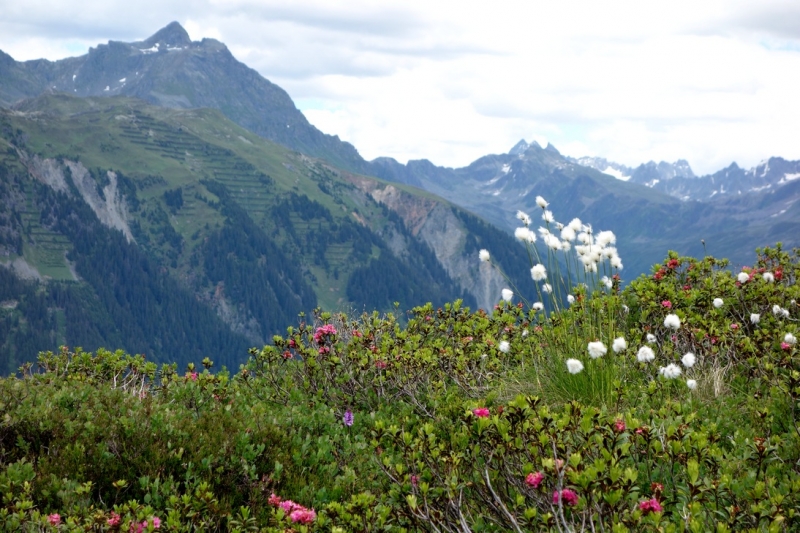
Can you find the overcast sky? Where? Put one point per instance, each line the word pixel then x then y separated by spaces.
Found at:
pixel 709 81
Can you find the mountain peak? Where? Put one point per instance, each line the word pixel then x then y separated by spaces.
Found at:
pixel 173 34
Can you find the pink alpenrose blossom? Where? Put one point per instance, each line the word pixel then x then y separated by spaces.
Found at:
pixel 650 506
pixel 54 519
pixel 567 496
pixel 481 412
pixel 534 479
pixel 115 519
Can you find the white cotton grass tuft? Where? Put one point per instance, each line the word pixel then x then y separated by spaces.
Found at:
pixel 619 345
pixel 538 306
pixel 597 349
pixel 605 280
pixel 616 262
pixel 688 359
pixel 672 321
pixel 524 218
pixel 651 339
pixel 538 272
pixel 525 235
pixel 552 241
pixel 504 346
pixel 789 339
pixel 547 288
pixel 769 277
pixel 645 354
pixel 671 371
pixel 484 255
pixel 743 277
pixel 718 302
pixel 692 384
pixel 568 234
pixel 755 318
pixel 604 238
pixel 574 366
pixel 507 294
pixel 541 202
pixel 779 311
pixel 548 217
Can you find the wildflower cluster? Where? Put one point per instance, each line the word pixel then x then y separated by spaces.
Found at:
pixel 294 511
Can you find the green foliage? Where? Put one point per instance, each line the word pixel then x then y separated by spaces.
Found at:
pixel 378 426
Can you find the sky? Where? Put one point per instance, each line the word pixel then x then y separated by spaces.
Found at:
pixel 711 82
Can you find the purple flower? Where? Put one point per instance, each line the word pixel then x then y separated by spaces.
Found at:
pixel 348 418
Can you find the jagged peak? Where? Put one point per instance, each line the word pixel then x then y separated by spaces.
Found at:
pixel 173 34
pixel 552 149
pixel 519 148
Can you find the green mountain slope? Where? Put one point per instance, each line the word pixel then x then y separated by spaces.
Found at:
pixel 177 233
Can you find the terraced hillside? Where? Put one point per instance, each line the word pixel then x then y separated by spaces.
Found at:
pixel 249 229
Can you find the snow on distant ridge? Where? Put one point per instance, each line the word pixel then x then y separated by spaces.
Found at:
pixel 615 173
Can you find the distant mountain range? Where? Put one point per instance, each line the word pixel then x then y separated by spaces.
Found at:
pixel 145 204
pixel 678 180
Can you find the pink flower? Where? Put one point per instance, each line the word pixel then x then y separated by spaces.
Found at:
pixel 137 528
pixel 156 522
pixel 287 506
pixel 301 515
pixel 786 346
pixel 568 496
pixel 414 480
pixel 650 506
pixel 114 520
pixel 274 499
pixel 619 425
pixel 481 412
pixel 193 376
pixel 357 333
pixel 667 304
pixel 324 350
pixel 54 519
pixel 380 365
pixel 327 329
pixel 534 480
pixel 734 326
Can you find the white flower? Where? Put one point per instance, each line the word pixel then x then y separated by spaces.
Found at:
pixel 504 347
pixel 755 318
pixel 548 217
pixel 604 238
pixel 507 294
pixel 718 302
pixel 645 354
pixel 790 339
pixel 524 218
pixel 616 262
pixel 769 277
pixel 574 366
pixel 671 371
pixel 525 235
pixel 538 272
pixel 625 308
pixel 568 234
pixel 552 241
pixel 585 238
pixel 688 360
pixel 651 339
pixel 607 282
pixel 672 321
pixel 541 202
pixel 575 224
pixel 777 310
pixel 559 226
pixel 547 288
pixel 524 332
pixel 484 255
pixel 619 345
pixel 538 306
pixel 570 299
pixel 590 266
pixel 743 277
pixel 597 349
pixel 565 245
pixel 692 384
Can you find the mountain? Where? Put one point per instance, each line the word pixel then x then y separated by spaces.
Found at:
pixel 646 220
pixel 179 234
pixel 678 180
pixel 170 70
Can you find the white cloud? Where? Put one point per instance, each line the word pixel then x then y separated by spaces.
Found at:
pixel 710 82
